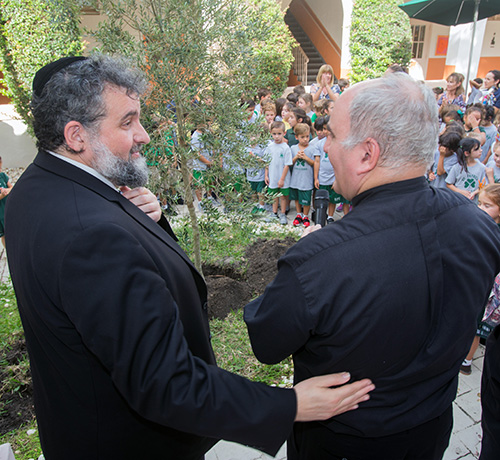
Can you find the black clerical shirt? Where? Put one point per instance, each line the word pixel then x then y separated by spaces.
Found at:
pixel 391 293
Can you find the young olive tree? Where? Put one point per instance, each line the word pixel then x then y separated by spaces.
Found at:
pixel 32 34
pixel 380 36
pixel 202 57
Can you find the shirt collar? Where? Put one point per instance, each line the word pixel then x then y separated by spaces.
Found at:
pixel 394 188
pixel 85 168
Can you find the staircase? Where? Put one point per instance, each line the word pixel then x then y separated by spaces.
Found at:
pixel 315 59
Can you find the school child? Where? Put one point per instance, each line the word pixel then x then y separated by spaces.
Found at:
pixel 489 202
pixel 297 115
pixel 438 91
pixel 299 89
pixel 323 169
pixel 490 130
pixel 256 176
pixel 277 173
pixel 293 98
pixel 305 102
pixel 280 103
pixel 329 107
pixel 285 113
pixel 5 188
pixel 249 106
pixel 269 111
pixel 472 122
pixel 447 113
pixel 301 184
pixel 318 108
pixel 468 176
pixel 343 84
pixel 445 158
pixel 200 165
pixel 264 96
pixel 493 171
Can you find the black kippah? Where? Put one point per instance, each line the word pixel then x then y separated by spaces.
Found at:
pixel 46 72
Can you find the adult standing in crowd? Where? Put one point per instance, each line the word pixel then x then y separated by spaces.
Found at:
pixel 113 310
pixel 454 94
pixel 392 291
pixel 325 87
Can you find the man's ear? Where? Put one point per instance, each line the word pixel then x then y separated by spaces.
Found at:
pixel 75 136
pixel 371 155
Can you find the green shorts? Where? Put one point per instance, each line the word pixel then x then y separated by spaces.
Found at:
pixel 302 196
pixel 257 187
pixel 198 178
pixel 278 191
pixel 333 196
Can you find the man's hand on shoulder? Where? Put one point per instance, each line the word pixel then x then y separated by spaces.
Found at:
pixel 144 199
pixel 320 398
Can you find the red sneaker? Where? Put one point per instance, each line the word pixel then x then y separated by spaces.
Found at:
pixel 298 220
pixel 306 222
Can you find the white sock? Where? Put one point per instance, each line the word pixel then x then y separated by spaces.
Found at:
pixel 467 362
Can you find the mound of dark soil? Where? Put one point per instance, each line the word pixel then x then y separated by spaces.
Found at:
pixel 230 286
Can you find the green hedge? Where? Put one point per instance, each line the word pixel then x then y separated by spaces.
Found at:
pixel 32 34
pixel 380 36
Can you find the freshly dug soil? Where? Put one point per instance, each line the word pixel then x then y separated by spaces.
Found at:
pixel 230 287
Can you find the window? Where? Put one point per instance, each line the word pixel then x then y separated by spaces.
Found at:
pixel 418 34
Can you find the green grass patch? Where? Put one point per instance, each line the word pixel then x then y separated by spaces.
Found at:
pixel 233 352
pixel 24 441
pixel 10 322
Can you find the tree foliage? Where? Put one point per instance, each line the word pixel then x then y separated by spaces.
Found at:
pixel 32 34
pixel 201 57
pixel 380 36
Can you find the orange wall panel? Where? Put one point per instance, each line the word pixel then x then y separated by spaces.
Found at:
pixel 486 64
pixel 437 69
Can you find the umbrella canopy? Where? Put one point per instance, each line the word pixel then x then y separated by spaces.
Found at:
pixel 450 12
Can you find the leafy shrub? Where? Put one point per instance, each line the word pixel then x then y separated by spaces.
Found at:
pixel 32 34
pixel 380 36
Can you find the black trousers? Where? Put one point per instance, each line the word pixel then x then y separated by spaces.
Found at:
pixel 490 398
pixel 314 441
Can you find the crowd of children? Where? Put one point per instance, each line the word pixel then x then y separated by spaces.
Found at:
pixel 468 162
pixel 294 164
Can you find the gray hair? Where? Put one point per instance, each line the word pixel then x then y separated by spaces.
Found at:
pixel 401 115
pixel 75 93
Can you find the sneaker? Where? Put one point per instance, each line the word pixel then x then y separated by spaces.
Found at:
pixel 297 221
pixel 329 220
pixel 272 217
pixel 306 222
pixel 283 220
pixel 340 207
pixel 466 369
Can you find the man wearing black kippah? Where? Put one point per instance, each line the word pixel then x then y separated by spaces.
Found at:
pixel 113 310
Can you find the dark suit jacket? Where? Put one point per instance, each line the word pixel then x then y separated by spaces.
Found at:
pixel 116 327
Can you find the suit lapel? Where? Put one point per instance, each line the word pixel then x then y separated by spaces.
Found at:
pixel 62 168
